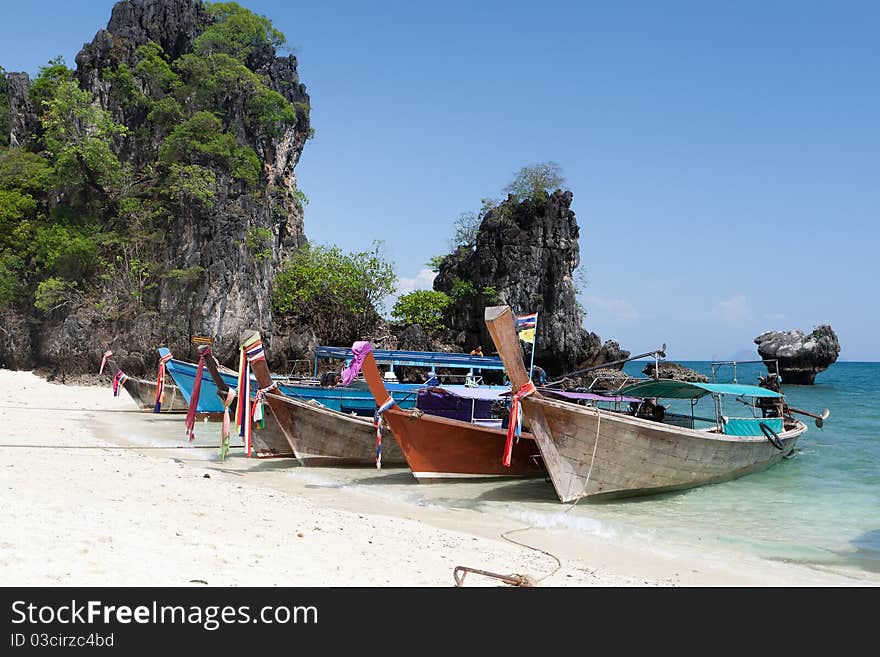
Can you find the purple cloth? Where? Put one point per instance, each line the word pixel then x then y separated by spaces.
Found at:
pixel 359 351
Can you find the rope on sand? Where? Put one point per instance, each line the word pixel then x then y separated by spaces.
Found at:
pixel 525 580
pixel 514 579
pixel 532 547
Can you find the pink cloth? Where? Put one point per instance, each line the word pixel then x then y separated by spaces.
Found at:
pixel 360 351
pixel 104 358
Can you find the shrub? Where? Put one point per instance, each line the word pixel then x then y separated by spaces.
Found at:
pixel 10 275
pixel 269 113
pixel 424 307
pixel 190 183
pixel 339 293
pixel 536 181
pixel 259 242
pixel 124 88
pixel 43 87
pixel 53 293
pixel 201 140
pixel 23 170
pixel 166 112
pixel 153 68
pixel 79 136
pixel 237 32
pixel 69 252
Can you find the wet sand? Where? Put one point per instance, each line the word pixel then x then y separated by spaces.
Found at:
pixel 96 493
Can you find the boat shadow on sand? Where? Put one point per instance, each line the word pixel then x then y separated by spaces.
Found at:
pixel 393 477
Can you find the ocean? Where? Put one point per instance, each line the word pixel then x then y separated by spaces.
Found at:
pixel 820 508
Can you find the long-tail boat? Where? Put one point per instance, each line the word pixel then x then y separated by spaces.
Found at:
pixel 354 398
pixel 143 392
pixel 268 442
pixel 595 453
pixel 440 447
pixel 317 435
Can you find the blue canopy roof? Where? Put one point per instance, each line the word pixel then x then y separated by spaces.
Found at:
pixel 690 390
pixel 430 359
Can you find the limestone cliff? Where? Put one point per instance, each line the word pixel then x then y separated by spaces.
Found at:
pixel 217 259
pixel 524 256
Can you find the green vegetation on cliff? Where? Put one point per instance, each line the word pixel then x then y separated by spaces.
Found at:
pixel 335 293
pixel 88 202
pixel 424 307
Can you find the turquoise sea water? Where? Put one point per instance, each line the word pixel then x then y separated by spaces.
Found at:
pixel 820 508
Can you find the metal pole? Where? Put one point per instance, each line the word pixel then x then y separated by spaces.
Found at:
pixel 662 352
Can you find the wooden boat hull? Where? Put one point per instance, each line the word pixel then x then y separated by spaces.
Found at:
pixel 322 437
pixel 438 449
pixel 601 454
pixel 319 436
pixel 144 395
pixel 270 441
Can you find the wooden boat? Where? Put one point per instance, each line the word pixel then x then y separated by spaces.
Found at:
pixel 319 436
pixel 596 453
pixel 143 392
pixel 441 448
pixel 268 442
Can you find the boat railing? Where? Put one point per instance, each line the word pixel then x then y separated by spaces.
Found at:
pixel 767 361
pixel 298 368
pixel 688 421
pixel 616 383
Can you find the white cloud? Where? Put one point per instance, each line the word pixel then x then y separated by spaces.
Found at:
pixel 424 280
pixel 610 309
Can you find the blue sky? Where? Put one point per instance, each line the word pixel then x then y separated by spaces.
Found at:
pixel 724 157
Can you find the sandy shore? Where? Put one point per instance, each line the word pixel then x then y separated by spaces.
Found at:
pixel 95 493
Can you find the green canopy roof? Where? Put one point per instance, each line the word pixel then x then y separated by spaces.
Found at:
pixel 688 390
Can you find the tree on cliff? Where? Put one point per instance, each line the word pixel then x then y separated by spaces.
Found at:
pixel 536 179
pixel 529 182
pixel 338 295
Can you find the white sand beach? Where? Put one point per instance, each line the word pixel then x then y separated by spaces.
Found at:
pixel 95 493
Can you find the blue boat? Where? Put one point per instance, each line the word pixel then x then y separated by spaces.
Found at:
pixel 355 398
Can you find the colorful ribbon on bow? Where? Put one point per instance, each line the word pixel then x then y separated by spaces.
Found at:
pixel 119 381
pixel 194 398
pixel 244 410
pixel 224 429
pixel 160 382
pixel 377 422
pixel 104 358
pixel 514 425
